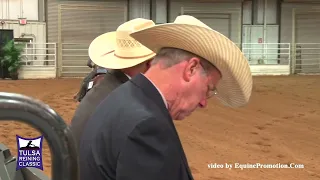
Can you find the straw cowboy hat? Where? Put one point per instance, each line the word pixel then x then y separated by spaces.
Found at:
pixel 190 34
pixel 118 50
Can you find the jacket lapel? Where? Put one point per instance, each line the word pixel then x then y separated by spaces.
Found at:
pixel 150 90
pixel 183 155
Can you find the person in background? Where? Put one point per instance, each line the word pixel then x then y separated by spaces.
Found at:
pixel 90 64
pixel 131 134
pixel 92 79
pixel 97 68
pixel 124 58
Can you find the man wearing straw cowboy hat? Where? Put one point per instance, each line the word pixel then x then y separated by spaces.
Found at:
pixel 130 60
pixel 131 135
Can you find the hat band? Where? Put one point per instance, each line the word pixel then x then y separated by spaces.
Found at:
pixel 134 57
pixel 122 57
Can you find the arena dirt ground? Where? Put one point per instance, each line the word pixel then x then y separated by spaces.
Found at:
pixel 280 125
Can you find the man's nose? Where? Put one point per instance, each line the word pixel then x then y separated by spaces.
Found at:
pixel 203 103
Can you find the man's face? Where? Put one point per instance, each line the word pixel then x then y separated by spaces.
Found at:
pixel 196 87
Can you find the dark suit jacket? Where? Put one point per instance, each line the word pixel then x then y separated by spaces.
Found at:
pixel 131 136
pixel 112 79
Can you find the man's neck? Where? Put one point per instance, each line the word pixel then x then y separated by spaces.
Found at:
pixel 163 83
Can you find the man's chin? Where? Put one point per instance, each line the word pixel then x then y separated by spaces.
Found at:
pixel 178 117
pixel 182 116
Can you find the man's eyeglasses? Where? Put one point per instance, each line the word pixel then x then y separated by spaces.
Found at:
pixel 211 92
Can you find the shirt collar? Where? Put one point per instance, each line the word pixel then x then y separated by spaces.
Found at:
pixel 163 98
pixel 127 75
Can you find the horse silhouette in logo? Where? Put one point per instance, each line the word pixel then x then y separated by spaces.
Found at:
pixel 30 146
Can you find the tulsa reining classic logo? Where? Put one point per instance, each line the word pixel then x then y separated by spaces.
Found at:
pixel 29 152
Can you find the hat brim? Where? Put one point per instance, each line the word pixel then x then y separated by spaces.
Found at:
pixel 101 52
pixel 234 88
pixel 101 45
pixel 111 61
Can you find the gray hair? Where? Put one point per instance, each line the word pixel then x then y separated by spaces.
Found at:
pixel 172 56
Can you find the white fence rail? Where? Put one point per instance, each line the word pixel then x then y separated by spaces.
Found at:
pixel 268 58
pixel 40 54
pixel 267 53
pixel 43 60
pixel 39 61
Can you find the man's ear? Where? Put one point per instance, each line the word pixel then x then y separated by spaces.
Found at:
pixel 148 63
pixel 191 68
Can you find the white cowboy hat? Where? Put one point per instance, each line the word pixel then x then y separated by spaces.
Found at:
pixel 190 34
pixel 118 50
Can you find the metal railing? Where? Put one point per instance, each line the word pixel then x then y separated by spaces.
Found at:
pixel 65 163
pixel 40 54
pixel 267 53
pixel 307 58
pixel 74 57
